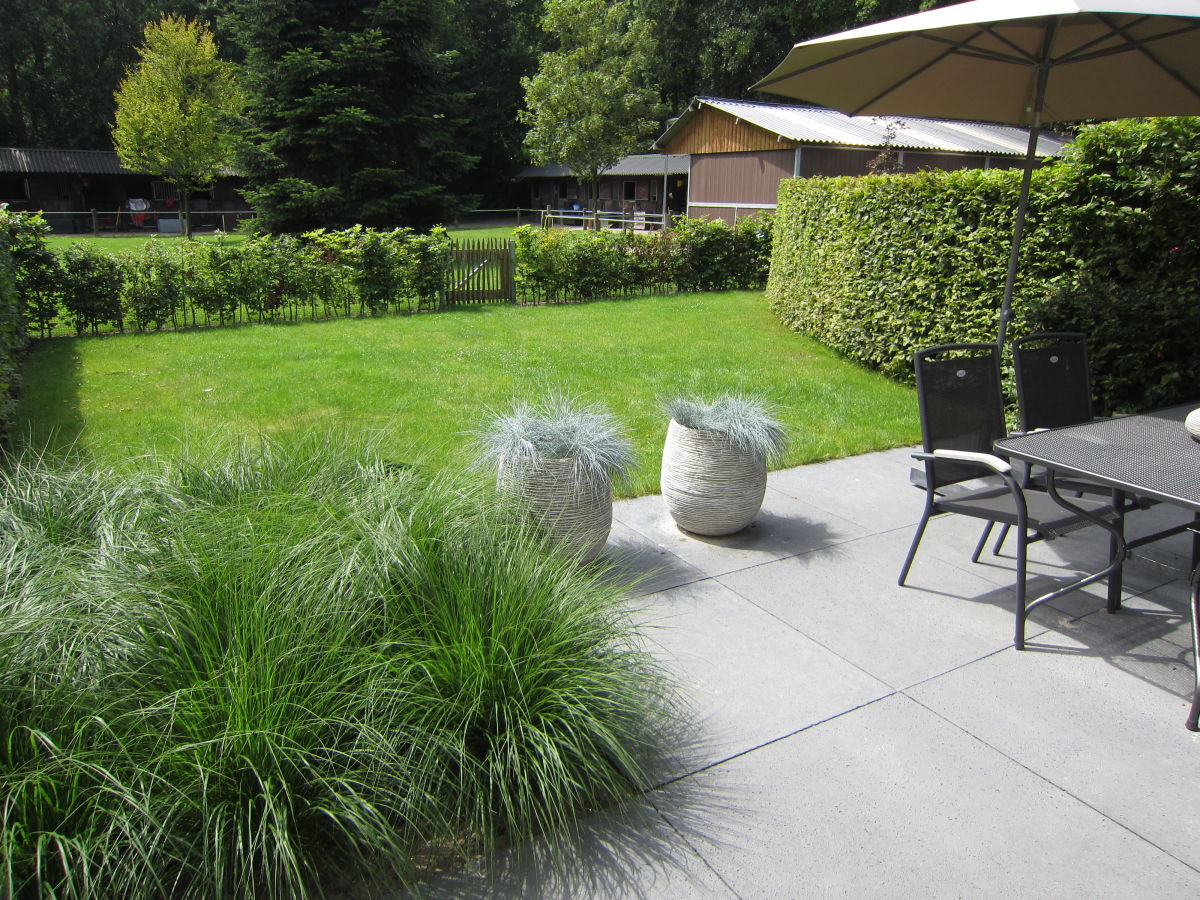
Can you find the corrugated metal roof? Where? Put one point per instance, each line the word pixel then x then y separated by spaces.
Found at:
pixel 64 162
pixel 638 164
pixel 816 125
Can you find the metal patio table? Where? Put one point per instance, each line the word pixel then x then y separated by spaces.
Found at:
pixel 1148 455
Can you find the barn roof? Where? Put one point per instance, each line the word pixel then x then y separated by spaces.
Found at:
pixel 21 161
pixel 817 125
pixel 638 164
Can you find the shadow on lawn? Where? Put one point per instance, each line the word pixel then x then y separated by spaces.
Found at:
pixel 48 416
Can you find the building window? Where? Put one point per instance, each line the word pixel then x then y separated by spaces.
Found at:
pixel 631 190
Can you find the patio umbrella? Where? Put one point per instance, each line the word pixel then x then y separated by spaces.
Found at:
pixel 1018 62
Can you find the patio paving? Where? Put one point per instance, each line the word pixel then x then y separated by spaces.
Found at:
pixel 855 738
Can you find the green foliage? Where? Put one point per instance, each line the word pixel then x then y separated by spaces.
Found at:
pixel 296 670
pixel 711 256
pixel 878 267
pixel 36 268
pixel 62 61
pixel 699 254
pixel 154 285
pixel 353 113
pixel 174 110
pixel 12 327
pixel 591 102
pixel 92 285
pixel 721 47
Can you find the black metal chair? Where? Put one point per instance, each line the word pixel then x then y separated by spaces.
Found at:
pixel 1054 386
pixel 962 414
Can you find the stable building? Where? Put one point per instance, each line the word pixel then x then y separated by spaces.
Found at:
pixel 740 150
pixel 86 190
pixel 636 184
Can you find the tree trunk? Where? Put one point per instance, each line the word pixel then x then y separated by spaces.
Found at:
pixel 595 189
pixel 185 206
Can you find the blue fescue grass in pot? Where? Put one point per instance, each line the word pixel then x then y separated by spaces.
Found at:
pixel 558 458
pixel 714 468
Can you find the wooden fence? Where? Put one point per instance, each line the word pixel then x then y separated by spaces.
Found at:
pixel 481 271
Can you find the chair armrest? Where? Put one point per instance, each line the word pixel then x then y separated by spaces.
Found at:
pixel 995 463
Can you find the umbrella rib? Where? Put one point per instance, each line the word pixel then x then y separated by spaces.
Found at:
pixel 1132 44
pixel 901 82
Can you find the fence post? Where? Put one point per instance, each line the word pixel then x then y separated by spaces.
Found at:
pixel 95 224
pixel 512 270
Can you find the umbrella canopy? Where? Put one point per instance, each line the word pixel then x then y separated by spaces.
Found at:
pixel 1020 62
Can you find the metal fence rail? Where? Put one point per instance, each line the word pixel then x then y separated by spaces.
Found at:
pixel 608 218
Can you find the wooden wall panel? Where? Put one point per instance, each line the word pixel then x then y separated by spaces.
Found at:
pixel 713 131
pixel 829 162
pixel 751 177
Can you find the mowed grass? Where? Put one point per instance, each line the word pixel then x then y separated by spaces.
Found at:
pixel 420 383
pixel 115 243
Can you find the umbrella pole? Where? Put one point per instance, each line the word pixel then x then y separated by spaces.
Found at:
pixel 1035 130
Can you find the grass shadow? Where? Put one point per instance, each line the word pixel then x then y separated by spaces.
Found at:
pixel 48 416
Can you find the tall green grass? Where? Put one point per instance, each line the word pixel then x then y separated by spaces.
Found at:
pixel 295 669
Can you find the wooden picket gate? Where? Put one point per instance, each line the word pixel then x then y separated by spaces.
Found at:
pixel 482 272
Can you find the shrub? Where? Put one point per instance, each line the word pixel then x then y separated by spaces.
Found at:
pixel 708 255
pixel 92 288
pixel 878 267
pixel 299 666
pixel 154 285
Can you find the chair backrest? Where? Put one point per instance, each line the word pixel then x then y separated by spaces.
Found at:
pixel 1053 384
pixel 961 404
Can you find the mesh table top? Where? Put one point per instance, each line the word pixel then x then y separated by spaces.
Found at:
pixel 1150 454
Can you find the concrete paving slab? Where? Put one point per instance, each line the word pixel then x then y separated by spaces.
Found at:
pixel 653 568
pixel 750 677
pixel 871 490
pixel 846 598
pixel 782 528
pixel 1101 717
pixel 631 852
pixel 893 801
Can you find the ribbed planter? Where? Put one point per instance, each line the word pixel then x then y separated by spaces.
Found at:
pixel 710 486
pixel 576 513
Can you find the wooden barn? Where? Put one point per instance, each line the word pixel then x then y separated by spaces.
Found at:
pixel 741 150
pixel 82 190
pixel 637 184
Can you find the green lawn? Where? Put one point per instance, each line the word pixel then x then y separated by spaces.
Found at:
pixel 421 381
pixel 117 242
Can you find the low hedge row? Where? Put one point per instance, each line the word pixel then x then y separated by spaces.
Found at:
pixel 696 255
pixel 878 267
pixel 323 274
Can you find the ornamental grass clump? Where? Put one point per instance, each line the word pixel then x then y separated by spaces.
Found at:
pixel 296 670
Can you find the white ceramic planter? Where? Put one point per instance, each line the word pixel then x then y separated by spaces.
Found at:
pixel 710 486
pixel 576 513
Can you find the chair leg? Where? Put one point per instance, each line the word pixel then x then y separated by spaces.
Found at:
pixel 1000 540
pixel 987 530
pixel 1022 541
pixel 912 550
pixel 1194 712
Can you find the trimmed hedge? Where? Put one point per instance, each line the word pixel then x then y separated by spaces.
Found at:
pixel 19 238
pixel 877 267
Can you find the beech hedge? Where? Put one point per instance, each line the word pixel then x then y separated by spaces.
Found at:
pixel 879 266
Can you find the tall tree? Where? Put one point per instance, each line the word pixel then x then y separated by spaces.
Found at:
pixel 352 116
pixel 721 47
pixel 175 109
pixel 497 43
pixel 591 102
pixel 59 65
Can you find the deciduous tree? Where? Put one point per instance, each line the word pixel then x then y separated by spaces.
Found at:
pixel 592 101
pixel 174 109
